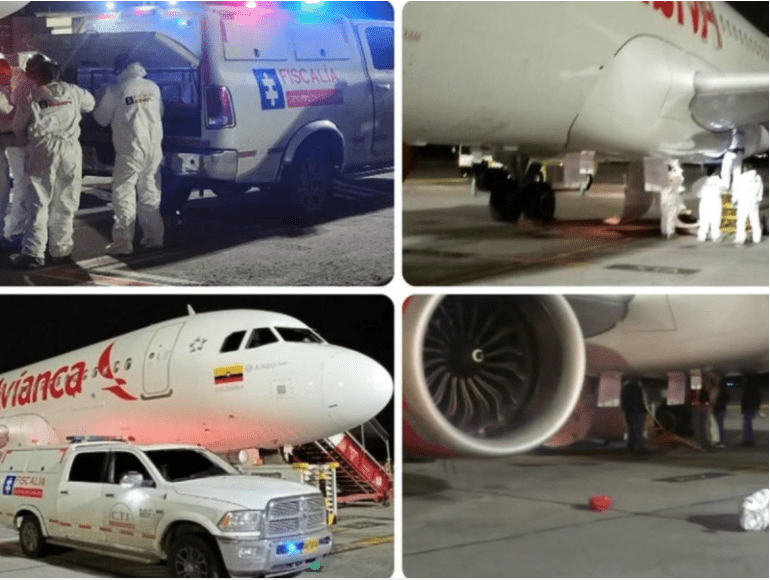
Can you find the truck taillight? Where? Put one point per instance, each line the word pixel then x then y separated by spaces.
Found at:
pixel 219 108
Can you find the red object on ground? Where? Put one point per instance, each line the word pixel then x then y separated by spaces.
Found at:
pixel 600 503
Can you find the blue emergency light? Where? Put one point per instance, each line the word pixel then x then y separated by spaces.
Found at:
pixel 290 547
pixel 311 6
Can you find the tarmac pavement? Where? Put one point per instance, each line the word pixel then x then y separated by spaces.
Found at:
pixel 675 513
pixel 451 239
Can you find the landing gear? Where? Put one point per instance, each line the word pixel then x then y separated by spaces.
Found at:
pixel 505 202
pixel 540 202
pixel 528 194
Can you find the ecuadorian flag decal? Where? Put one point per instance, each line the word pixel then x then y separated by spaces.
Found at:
pixel 227 375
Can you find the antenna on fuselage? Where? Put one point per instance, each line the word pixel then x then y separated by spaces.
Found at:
pixel 190 310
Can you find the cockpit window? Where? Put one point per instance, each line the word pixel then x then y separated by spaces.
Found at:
pixel 298 335
pixel 261 337
pixel 233 342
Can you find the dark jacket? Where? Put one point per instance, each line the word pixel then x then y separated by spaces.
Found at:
pixel 632 398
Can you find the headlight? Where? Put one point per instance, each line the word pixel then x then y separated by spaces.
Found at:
pixel 242 521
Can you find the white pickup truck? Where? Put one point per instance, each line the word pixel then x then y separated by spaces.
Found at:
pixel 181 504
pixel 257 96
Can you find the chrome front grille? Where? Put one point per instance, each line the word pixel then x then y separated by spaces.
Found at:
pixel 285 508
pixel 295 515
pixel 283 527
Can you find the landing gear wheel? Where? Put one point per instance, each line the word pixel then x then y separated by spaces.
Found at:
pixel 504 203
pixel 541 202
pixel 193 557
pixel 311 179
pixel 483 180
pixel 31 537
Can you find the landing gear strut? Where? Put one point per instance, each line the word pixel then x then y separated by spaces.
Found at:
pixel 522 192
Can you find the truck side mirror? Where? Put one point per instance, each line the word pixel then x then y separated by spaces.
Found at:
pixel 131 479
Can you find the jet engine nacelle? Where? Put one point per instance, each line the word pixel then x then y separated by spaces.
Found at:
pixel 489 375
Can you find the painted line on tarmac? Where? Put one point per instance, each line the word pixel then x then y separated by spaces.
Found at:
pixel 363 543
pixel 441 181
pixel 109 271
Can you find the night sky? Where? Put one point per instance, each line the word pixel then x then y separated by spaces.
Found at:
pixel 754 12
pixel 46 326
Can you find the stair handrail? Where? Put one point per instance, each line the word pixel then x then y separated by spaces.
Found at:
pixel 354 477
pixel 380 431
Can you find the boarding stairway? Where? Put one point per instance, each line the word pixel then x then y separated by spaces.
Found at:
pixel 727 226
pixel 359 476
pixel 729 219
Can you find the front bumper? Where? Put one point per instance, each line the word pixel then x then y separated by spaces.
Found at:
pixel 248 557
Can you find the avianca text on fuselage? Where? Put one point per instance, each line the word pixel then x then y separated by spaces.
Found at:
pixel 67 381
pixel 701 16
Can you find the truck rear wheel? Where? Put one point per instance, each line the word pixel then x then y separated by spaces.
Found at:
pixel 31 537
pixel 193 557
pixel 505 202
pixel 311 177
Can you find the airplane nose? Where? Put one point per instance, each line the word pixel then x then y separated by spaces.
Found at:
pixel 356 387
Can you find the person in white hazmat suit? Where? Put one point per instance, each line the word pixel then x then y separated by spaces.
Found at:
pixel 747 195
pixel 709 190
pixel 6 137
pixel 51 124
pixel 134 109
pixel 22 87
pixel 671 200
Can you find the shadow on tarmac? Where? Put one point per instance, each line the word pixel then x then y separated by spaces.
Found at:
pixel 718 522
pixel 203 227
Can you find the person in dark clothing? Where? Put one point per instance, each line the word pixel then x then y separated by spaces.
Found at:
pixel 633 404
pixel 700 416
pixel 719 408
pixel 749 406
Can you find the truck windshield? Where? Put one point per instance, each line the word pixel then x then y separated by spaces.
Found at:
pixel 184 464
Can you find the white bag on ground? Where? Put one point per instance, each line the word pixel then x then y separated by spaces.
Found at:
pixel 755 511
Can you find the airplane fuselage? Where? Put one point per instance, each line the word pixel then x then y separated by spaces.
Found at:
pixel 682 332
pixel 544 78
pixel 225 380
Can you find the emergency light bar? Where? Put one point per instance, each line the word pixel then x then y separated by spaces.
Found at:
pixel 94 438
